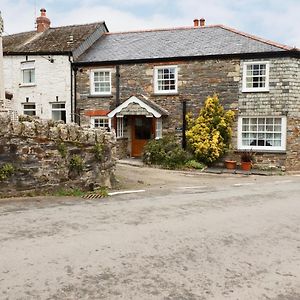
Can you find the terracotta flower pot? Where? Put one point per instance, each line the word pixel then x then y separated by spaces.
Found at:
pixel 230 164
pixel 246 165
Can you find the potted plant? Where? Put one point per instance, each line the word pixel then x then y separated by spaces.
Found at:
pixel 230 164
pixel 246 160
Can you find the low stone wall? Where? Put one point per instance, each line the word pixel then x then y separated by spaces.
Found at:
pixel 47 155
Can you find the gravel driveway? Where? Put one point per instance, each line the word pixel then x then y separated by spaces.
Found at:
pixel 186 237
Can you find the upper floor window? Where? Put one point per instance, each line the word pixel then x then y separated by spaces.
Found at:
pixel 262 133
pixel 28 73
pixel 101 82
pixel 165 80
pixel 256 77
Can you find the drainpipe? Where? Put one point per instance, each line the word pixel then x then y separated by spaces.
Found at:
pixel 183 124
pixel 117 86
pixel 77 120
pixel 71 69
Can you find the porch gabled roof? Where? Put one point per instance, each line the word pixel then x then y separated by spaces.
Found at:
pixel 147 108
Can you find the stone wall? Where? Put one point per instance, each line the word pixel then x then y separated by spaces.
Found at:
pixel 48 155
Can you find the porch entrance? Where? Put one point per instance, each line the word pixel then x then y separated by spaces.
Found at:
pixel 142 132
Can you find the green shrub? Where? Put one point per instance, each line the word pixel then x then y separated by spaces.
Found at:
pixel 98 150
pixel 209 134
pixel 165 152
pixel 6 171
pixel 62 149
pixel 76 163
pixel 69 192
pixel 193 164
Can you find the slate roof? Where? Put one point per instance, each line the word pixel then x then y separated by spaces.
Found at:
pixel 53 40
pixel 176 43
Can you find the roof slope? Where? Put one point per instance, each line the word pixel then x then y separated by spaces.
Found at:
pixel 176 42
pixel 50 41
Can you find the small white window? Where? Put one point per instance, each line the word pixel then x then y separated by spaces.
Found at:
pixel 256 77
pixel 100 122
pixel 59 112
pixel 101 82
pixel 120 127
pixel 165 80
pixel 29 109
pixel 158 129
pixel 262 133
pixel 28 73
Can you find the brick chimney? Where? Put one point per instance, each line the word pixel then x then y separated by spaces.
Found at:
pixel 196 23
pixel 42 22
pixel 202 22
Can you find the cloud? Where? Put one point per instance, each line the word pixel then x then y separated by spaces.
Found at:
pixel 272 19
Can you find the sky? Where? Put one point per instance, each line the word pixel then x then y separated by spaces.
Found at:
pixel 276 20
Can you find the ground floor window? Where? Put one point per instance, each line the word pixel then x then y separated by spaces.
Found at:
pixel 100 122
pixel 29 109
pixel 59 112
pixel 262 133
pixel 158 129
pixel 120 127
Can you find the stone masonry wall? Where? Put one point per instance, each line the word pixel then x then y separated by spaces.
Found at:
pixel 283 99
pixel 42 152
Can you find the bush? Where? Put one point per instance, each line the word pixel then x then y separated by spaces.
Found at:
pixel 165 152
pixel 209 134
pixel 6 171
pixel 193 164
pixel 76 164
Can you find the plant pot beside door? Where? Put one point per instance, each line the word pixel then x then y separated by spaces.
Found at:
pixel 246 160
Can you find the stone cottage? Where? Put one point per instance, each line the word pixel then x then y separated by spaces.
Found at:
pixel 137 82
pixel 37 67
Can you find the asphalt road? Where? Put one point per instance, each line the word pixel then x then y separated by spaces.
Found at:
pixel 185 237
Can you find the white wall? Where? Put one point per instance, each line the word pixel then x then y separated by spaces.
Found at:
pixel 51 80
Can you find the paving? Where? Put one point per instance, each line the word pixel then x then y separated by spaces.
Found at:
pixel 187 236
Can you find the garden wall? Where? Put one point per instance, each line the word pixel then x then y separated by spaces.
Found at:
pixel 38 155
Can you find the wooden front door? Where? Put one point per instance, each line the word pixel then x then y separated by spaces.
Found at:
pixel 142 131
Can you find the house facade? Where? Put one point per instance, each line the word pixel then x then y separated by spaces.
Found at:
pixel 138 83
pixel 38 67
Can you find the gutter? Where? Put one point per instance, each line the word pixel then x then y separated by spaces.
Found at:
pixel 289 53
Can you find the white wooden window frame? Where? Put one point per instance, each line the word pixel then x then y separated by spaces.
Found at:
pixel 120 127
pixel 103 118
pixel 92 82
pixel 28 66
pixel 263 148
pixel 58 109
pixel 158 129
pixel 27 110
pixel 266 76
pixel 156 86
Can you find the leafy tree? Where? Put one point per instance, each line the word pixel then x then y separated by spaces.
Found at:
pixel 209 134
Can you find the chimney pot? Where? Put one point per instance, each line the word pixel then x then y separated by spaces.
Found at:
pixel 42 22
pixel 202 22
pixel 196 23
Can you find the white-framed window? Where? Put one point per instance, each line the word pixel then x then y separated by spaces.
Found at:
pixel 59 112
pixel 28 73
pixel 262 133
pixel 120 127
pixel 158 129
pixel 29 109
pixel 256 76
pixel 100 122
pixel 100 82
pixel 165 79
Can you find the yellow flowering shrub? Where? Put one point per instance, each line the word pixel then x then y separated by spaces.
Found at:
pixel 209 134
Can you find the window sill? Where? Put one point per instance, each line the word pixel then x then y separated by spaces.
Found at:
pixel 166 94
pixel 255 91
pixel 27 85
pixel 267 151
pixel 100 96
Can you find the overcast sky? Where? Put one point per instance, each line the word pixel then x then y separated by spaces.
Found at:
pixel 277 20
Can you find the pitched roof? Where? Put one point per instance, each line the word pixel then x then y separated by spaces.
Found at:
pixel 177 43
pixel 53 40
